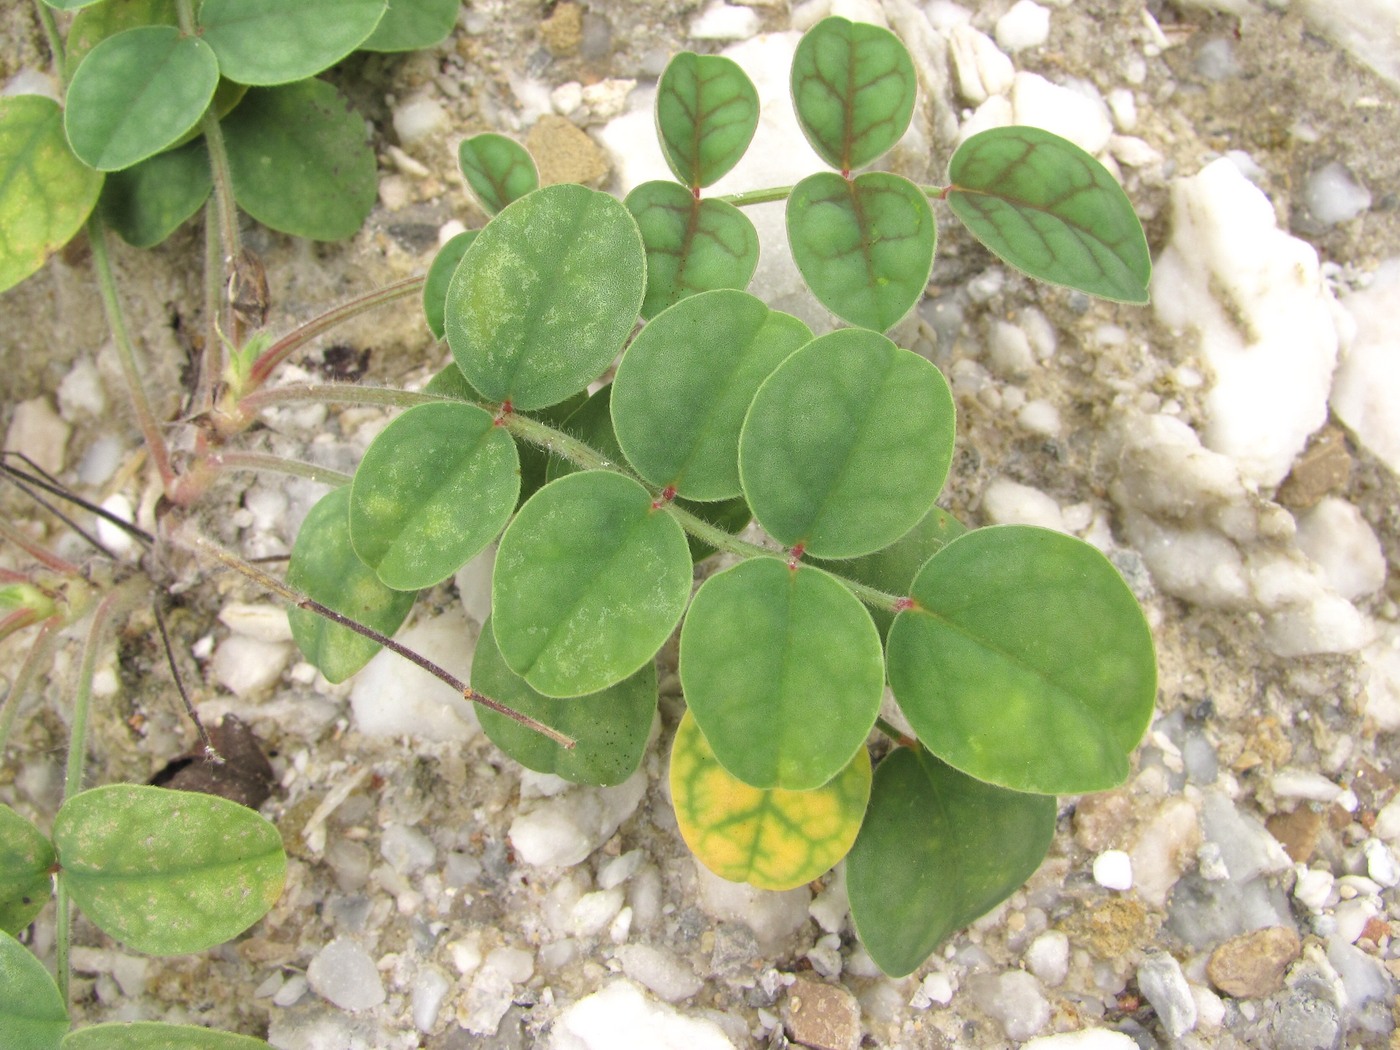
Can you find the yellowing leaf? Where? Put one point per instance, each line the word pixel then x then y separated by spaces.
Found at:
pixel 774 839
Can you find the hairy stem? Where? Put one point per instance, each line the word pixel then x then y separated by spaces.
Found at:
pixel 126 353
pixel 301 601
pixel 102 617
pixel 299 337
pixel 38 656
pixel 279 465
pixel 337 394
pixel 56 48
pixel 893 731
pixel 763 196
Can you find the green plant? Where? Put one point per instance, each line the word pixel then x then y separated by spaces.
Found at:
pixel 1018 655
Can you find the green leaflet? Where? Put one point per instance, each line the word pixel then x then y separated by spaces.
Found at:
pixel 412 24
pixel 324 566
pixel 609 727
pixel 864 245
pixel 32 1013
pixel 46 193
pixel 266 42
pixel 440 274
pixel 1048 208
pixel 137 93
pixel 167 872
pixel 685 383
pixel 782 669
pixel 545 296
pixel 853 87
pixel 299 161
pixel 706 114
pixel 691 245
pixel 149 201
pixel 26 862
pixel 1026 661
pixel 499 170
pixel 433 489
pixel 846 444
pixel 152 1035
pixel 590 580
pixel 937 850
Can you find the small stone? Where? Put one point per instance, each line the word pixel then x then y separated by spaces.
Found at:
pixel 1100 819
pixel 1160 978
pixel 1297 832
pixel 659 971
pixel 1013 999
pixel 1252 965
pixel 1025 25
pixel 344 973
pixel 1113 870
pixel 1306 1019
pixel 1112 927
pixel 563 30
pixel 40 433
pixel 1336 536
pixel 1087 1039
pixel 246 666
pixel 1323 468
pixel 564 153
pixel 430 988
pixel 772 916
pixel 1048 957
pixel 721 21
pixel 1381 864
pixel 620 1017
pixel 822 1016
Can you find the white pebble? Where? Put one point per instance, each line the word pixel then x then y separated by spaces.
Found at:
pixel 773 916
pixel 1363 389
pixel 418 118
pixel 659 971
pixel 1381 864
pixel 1013 999
pixel 621 1017
pixel 1387 825
pixel 1113 870
pixel 1314 888
pixel 1123 106
pixel 1007 502
pixel 291 991
pixel 617 870
pixel 516 965
pixel 1333 196
pixel 344 973
pixel 567 97
pixel 246 666
pixel 935 988
pixel 1165 986
pixel 1338 538
pixel 265 622
pixel 562 830
pixel 430 988
pixel 1304 784
pixel 392 697
pixel 113 537
pixel 594 911
pixel 1065 112
pixel 407 849
pixel 721 21
pixel 1009 351
pixel 982 68
pixel 1048 957
pixel 1026 24
pixel 38 431
pixel 82 393
pixel 1352 917
pixel 1040 417
pixel 1085 1039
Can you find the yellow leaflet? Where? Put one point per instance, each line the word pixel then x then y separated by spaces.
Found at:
pixel 774 839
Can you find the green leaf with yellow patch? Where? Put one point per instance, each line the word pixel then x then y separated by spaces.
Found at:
pixel 26 863
pixel 770 838
pixel 433 489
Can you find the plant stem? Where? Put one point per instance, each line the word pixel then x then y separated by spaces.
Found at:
pixel 895 733
pixel 126 354
pixel 102 616
pixel 301 601
pixel 63 923
pixel 764 196
pixel 279 465
pixel 299 337
pixel 212 353
pixel 56 48
pixel 337 393
pixel 37 656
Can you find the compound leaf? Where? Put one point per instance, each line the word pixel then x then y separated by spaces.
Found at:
pixel 691 245
pixel 137 93
pixel 853 87
pixel 433 489
pixel 409 25
pixel 609 727
pixel 300 162
pixel 1050 209
pixel 590 580
pixel 439 278
pixel 32 1014
pixel 546 295
pixel 937 850
pixel 26 871
pixel 149 201
pixel 864 246
pixel 499 170
pixel 685 383
pixel 155 1035
pixel 706 114
pixel 768 837
pixel 98 21
pixel 167 872
pixel 46 193
pixel 1025 662
pixel 782 669
pixel 324 566
pixel 265 42
pixel 846 444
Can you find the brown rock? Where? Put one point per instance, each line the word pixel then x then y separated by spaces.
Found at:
pixel 821 1016
pixel 1099 819
pixel 1113 927
pixel 1297 832
pixel 1252 965
pixel 563 30
pixel 1322 469
pixel 564 153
